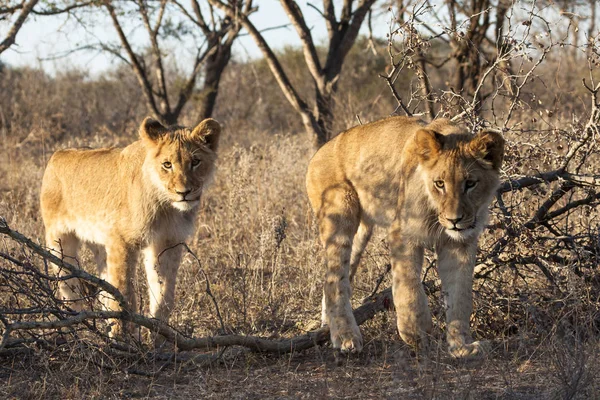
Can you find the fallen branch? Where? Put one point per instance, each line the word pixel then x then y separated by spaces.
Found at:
pixel 372 306
pixel 75 271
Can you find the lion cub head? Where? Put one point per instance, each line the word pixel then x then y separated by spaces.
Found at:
pixel 180 161
pixel 460 173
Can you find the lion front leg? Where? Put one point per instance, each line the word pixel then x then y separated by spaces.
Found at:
pixel 455 266
pixel 412 310
pixel 121 261
pixel 162 263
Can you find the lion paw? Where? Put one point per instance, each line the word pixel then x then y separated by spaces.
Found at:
pixel 471 350
pixel 347 340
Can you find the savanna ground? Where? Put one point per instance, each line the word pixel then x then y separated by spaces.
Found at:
pixel 259 248
pixel 536 288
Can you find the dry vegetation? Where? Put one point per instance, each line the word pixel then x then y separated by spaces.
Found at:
pixel 256 255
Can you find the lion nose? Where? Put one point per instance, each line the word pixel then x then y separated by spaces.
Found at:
pixel 183 194
pixel 456 220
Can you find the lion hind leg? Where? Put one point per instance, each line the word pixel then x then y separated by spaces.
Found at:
pixel 99 252
pixel 65 246
pixel 361 239
pixel 100 257
pixel 338 222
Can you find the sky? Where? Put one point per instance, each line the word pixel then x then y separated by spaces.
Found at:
pixel 48 42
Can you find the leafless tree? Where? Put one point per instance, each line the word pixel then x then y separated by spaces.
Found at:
pixel 217 33
pixel 325 72
pixel 477 44
pixel 473 34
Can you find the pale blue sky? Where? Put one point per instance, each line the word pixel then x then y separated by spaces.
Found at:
pixel 45 37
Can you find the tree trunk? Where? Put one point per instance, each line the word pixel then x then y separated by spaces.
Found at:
pixel 324 114
pixel 167 118
pixel 316 135
pixel 426 90
pixel 215 65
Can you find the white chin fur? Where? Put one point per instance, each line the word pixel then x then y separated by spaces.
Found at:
pixel 185 205
pixel 461 236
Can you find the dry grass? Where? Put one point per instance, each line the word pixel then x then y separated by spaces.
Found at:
pixel 258 244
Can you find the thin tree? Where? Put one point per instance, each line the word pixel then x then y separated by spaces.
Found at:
pixel 325 72
pixel 166 101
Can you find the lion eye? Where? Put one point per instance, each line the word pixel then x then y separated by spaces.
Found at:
pixel 439 184
pixel 469 184
pixel 195 162
pixel 167 165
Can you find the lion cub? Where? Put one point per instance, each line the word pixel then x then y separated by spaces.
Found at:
pixel 121 201
pixel 431 185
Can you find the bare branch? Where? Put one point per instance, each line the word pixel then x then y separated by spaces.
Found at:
pixel 56 11
pixel 198 19
pixel 74 271
pixel 310 52
pixel 373 305
pixel 329 15
pixel 159 70
pixel 550 176
pixel 9 40
pixel 138 69
pixel 591 128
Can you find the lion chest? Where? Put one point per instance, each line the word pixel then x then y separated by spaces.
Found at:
pixel 172 226
pixel 382 203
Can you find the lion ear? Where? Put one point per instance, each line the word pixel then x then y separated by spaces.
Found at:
pixel 208 131
pixel 151 129
pixel 488 146
pixel 429 144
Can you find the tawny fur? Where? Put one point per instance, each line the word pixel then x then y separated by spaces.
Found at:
pixel 123 201
pixel 431 185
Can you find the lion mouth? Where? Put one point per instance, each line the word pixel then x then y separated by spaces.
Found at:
pixel 186 204
pixel 456 228
pixel 462 233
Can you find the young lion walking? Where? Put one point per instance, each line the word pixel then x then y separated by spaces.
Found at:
pixel 121 201
pixel 431 185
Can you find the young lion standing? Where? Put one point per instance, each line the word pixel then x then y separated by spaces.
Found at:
pixel 121 201
pixel 431 185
